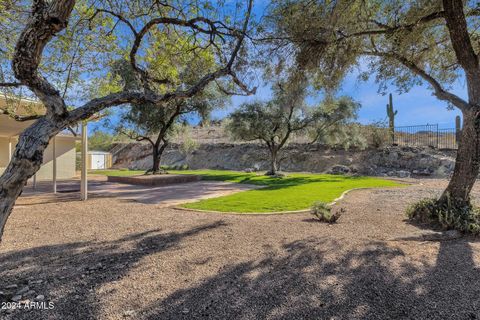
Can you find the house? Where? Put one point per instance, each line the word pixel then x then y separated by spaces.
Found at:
pixel 60 153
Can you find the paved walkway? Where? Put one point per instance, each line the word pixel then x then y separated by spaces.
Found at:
pixel 98 187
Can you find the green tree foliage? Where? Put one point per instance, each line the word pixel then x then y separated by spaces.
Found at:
pixel 273 122
pixel 337 34
pixel 182 66
pixel 335 127
pixel 101 141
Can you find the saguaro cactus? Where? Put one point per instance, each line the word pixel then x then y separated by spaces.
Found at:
pixel 391 118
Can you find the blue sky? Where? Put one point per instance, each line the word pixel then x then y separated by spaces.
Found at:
pixel 418 106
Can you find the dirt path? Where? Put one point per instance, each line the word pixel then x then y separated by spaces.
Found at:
pixel 116 259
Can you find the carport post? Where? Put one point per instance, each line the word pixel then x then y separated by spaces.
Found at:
pixel 54 178
pixel 84 182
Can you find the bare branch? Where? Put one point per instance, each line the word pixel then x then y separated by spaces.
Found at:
pixel 117 15
pixel 134 136
pixel 439 91
pixel 20 118
pixel 193 23
pixel 10 84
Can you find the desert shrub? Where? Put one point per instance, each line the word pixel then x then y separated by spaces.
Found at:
pixel 448 214
pixel 323 212
pixel 187 143
pixel 347 136
pixel 376 134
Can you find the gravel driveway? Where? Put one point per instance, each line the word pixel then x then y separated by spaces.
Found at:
pixel 116 259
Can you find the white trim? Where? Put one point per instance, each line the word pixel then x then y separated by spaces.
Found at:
pixel 84 177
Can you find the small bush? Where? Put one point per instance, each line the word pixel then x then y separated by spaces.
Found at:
pixel 448 214
pixel 174 167
pixel 323 212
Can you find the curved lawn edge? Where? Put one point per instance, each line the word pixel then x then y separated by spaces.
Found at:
pixel 242 213
pixel 332 203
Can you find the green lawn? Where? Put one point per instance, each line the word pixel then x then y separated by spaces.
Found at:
pixel 296 191
pixel 117 173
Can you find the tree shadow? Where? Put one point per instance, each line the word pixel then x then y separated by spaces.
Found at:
pixel 71 274
pixel 305 282
pixel 315 278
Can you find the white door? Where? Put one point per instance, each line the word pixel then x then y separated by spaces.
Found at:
pixel 98 161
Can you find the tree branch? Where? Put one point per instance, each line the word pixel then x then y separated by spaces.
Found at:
pixel 10 84
pixel 439 91
pixel 462 45
pixel 137 137
pixel 44 23
pixel 19 118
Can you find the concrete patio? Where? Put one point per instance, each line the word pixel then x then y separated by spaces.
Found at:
pixel 99 187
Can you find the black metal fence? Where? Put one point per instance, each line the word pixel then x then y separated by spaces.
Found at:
pixel 429 135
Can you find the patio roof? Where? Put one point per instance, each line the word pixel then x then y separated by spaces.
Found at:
pixel 21 107
pixel 11 128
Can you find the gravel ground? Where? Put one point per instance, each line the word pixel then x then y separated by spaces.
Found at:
pixel 116 259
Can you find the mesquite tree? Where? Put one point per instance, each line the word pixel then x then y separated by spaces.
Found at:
pixel 145 123
pixel 48 26
pixel 156 126
pixel 405 42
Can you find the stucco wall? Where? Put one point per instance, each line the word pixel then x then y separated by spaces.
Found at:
pixel 65 149
pixel 3 152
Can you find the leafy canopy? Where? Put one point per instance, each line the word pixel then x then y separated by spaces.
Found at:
pixel 183 66
pixel 274 121
pixel 398 40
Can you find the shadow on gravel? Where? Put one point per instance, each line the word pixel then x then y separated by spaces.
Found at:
pixel 309 279
pixel 70 274
pixel 302 283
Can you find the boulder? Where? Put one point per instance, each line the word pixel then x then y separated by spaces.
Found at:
pixel 339 169
pixel 403 174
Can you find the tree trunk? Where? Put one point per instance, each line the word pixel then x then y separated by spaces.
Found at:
pixel 156 161
pixel 273 164
pixel 157 157
pixel 467 162
pixel 25 162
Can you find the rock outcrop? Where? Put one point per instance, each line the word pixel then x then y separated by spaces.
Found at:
pixel 390 161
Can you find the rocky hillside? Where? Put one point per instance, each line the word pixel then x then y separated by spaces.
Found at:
pixel 390 161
